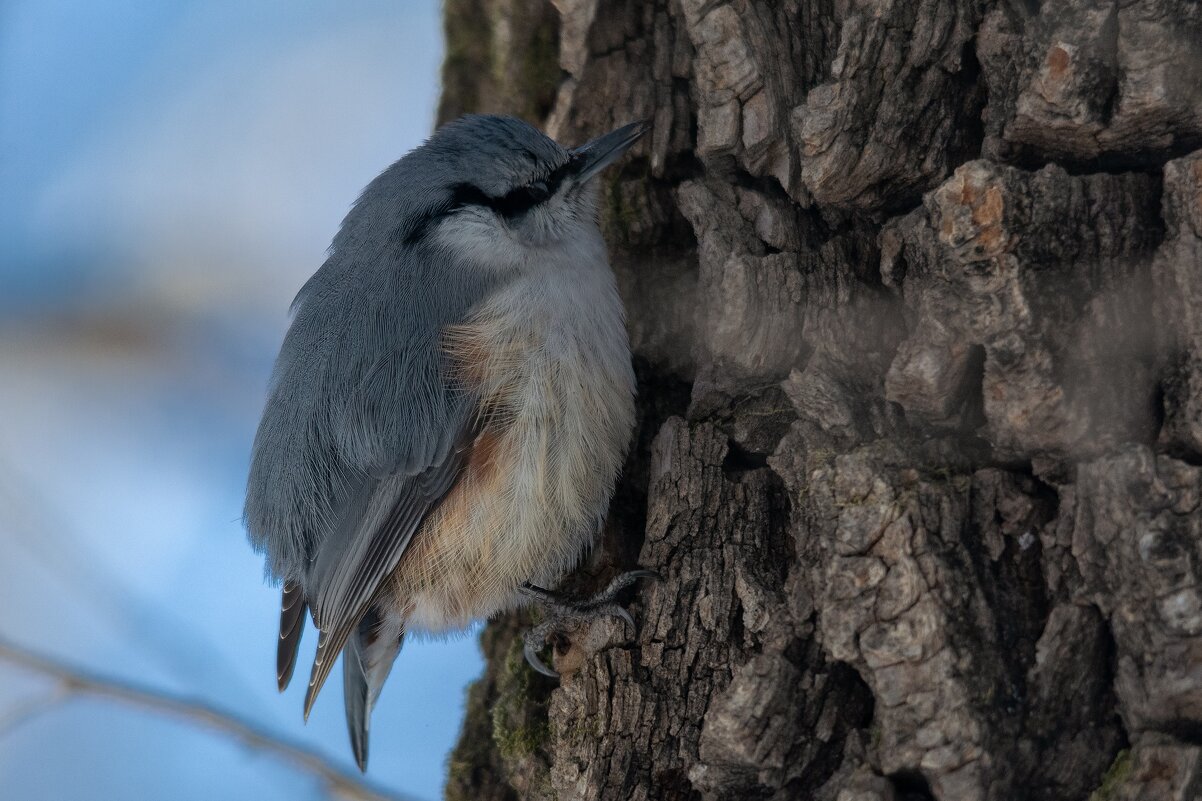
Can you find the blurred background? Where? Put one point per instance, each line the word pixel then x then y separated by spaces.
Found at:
pixel 170 173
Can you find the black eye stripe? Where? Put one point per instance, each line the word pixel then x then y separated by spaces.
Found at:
pixel 515 202
pixel 522 199
pixel 562 171
pixel 468 195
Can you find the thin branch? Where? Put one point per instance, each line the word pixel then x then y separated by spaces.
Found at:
pixel 79 680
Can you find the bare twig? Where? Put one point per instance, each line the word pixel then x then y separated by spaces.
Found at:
pixel 80 680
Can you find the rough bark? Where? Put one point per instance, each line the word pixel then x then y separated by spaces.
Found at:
pixel 914 292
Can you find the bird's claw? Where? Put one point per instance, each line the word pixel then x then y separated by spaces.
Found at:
pixel 563 613
pixel 627 619
pixel 530 650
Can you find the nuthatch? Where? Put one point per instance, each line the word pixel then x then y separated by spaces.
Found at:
pixel 451 405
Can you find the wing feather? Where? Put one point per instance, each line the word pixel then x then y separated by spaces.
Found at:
pixel 352 576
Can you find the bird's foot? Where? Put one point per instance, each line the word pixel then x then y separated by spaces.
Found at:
pixel 567 614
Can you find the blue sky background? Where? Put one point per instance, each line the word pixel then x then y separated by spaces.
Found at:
pixel 170 173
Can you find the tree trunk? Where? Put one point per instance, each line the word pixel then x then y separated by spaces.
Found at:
pixel 914 289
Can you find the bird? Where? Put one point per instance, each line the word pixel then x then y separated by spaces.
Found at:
pixel 450 408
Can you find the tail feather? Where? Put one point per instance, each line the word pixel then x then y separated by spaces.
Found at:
pixel 292 626
pixel 366 662
pixel 357 697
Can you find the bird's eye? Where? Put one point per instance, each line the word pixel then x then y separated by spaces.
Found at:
pixel 520 200
pixel 468 195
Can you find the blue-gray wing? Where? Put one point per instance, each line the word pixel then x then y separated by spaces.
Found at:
pixel 363 434
pixel 375 530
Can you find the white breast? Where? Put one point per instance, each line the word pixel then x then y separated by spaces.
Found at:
pixel 550 355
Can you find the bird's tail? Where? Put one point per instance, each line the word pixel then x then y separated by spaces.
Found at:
pixel 292 624
pixel 366 661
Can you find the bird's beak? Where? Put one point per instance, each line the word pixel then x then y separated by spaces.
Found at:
pixel 592 157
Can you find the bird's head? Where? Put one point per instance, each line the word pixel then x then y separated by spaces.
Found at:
pixel 504 190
